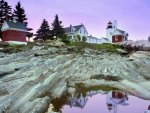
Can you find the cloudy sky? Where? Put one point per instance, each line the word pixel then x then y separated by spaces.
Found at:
pixel 133 16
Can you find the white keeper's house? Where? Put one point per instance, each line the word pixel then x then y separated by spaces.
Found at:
pixel 113 34
pixel 73 31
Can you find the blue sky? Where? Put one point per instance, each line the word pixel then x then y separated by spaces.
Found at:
pixel 133 16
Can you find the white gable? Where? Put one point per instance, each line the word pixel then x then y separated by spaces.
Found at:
pixel 82 31
pixel 4 26
pixel 116 32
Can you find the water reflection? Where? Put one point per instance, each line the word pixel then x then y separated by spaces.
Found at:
pixel 148 110
pixel 102 101
pixel 115 98
pixel 77 101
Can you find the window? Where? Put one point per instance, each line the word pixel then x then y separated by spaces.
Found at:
pixel 80 31
pixel 116 38
pixel 72 37
pixel 124 38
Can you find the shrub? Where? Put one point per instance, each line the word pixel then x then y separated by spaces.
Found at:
pixel 81 88
pixel 84 39
pixel 66 39
pixel 106 46
pixel 78 38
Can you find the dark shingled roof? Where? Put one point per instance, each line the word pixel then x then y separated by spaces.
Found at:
pixel 68 29
pixel 17 25
pixel 109 22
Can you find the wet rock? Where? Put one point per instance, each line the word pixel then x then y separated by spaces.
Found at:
pixel 64 51
pixel 59 89
pixel 88 51
pixel 5 104
pixel 39 105
pixel 31 82
pixel 121 51
pixel 140 55
pixel 53 50
pixel 37 48
pixel 143 45
pixel 40 53
pixel 3 89
pixel 59 44
pixel 55 43
pixel 71 83
pixel 50 109
pixel 6 70
pixel 52 112
pixel 99 76
pixel 71 90
pixel 73 49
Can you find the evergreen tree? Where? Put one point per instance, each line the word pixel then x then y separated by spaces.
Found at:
pixel 44 31
pixel 57 29
pixel 1 15
pixel 5 13
pixel 20 15
pixel 149 38
pixel 8 11
pixel 19 12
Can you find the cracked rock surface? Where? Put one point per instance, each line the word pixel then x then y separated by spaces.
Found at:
pixel 30 79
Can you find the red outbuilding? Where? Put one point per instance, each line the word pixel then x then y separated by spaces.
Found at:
pixel 114 34
pixel 119 36
pixel 13 31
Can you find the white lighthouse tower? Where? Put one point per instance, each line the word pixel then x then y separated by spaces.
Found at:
pixel 111 27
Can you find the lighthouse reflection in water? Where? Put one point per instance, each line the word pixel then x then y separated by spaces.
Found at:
pixel 105 102
pixel 115 98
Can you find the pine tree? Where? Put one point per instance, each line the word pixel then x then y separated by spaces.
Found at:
pixel 2 2
pixel 149 38
pixel 57 29
pixel 8 11
pixel 5 13
pixel 19 12
pixel 44 31
pixel 1 15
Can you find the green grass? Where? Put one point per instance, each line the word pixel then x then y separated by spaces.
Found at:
pixel 107 78
pixel 80 88
pixel 79 45
pixel 106 46
pixel 14 48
